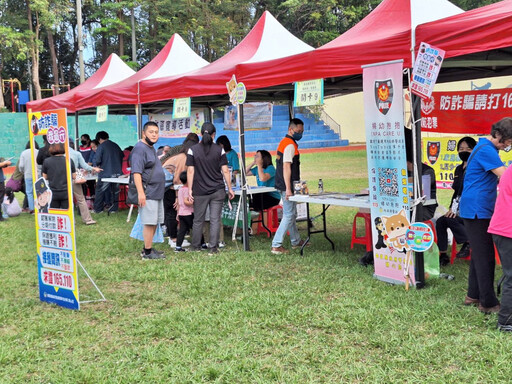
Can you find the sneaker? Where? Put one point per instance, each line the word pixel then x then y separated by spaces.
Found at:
pixel 157 251
pixel 470 301
pixel 152 256
pixel 179 249
pixel 278 250
pixel 464 252
pixel 504 327
pixel 213 251
pixel 443 259
pixel 222 244
pixel 172 244
pixel 204 246
pixel 185 243
pixel 300 244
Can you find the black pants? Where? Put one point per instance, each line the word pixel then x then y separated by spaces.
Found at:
pixel 262 201
pixel 456 225
pixel 504 246
pixel 481 267
pixel 170 213
pixel 186 224
pixel 59 203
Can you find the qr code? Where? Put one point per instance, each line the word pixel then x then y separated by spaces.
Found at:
pixel 388 181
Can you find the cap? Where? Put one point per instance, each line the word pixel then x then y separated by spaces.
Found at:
pixel 41 186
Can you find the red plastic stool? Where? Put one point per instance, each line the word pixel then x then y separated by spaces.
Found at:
pixel 367 238
pixel 272 219
pixel 430 223
pixel 454 253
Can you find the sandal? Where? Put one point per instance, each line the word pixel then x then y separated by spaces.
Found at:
pixel 91 222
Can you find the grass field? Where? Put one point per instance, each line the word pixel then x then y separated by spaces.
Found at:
pixel 242 317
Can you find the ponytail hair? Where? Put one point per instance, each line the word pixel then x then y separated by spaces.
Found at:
pixel 207 130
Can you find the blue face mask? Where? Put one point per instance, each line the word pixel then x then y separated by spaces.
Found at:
pixel 297 136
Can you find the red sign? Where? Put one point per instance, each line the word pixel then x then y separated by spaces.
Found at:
pixel 465 112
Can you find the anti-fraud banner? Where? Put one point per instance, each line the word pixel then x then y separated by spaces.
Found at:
pixel 55 228
pixel 257 117
pixel 170 127
pixel 465 112
pixel 387 171
pixel 441 154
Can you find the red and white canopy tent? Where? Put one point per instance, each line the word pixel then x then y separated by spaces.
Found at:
pixel 175 59
pixel 111 72
pixel 267 40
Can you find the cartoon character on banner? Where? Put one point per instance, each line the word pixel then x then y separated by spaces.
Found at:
pixel 396 227
pixel 43 195
pixel 381 233
pixel 231 86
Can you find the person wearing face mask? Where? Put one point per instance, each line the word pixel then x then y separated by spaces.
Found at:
pixel 85 147
pixel 476 208
pixel 149 178
pixel 288 171
pixel 108 157
pixel 451 219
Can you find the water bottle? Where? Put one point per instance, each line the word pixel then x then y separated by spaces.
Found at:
pixel 320 186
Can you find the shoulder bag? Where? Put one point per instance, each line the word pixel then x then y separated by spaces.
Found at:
pixel 132 196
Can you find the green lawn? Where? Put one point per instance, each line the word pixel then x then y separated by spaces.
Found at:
pixel 242 317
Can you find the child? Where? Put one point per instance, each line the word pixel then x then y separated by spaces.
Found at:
pixel 185 213
pixel 10 205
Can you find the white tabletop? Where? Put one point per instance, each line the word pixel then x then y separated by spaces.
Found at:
pixel 339 199
pixel 255 190
pixel 118 180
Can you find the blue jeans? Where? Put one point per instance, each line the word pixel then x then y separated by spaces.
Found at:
pixel 106 194
pixel 29 190
pixel 288 223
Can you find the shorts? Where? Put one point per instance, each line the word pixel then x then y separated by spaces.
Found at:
pixel 152 213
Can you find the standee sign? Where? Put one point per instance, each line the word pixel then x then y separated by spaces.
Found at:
pixel 465 112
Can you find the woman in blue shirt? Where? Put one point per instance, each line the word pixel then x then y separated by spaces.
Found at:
pixel 476 207
pixel 231 155
pixel 264 171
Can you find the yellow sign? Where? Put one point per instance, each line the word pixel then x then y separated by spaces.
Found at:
pixel 101 113
pixel 308 93
pixel 181 108
pixel 55 223
pixel 441 154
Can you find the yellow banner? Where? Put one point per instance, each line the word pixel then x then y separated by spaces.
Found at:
pixel 441 154
pixel 55 227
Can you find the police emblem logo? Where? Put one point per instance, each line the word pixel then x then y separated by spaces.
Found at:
pixel 433 150
pixel 384 95
pixel 427 105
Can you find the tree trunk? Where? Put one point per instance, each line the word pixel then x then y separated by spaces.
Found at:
pixel 34 51
pixel 55 68
pixel 120 16
pixel 2 101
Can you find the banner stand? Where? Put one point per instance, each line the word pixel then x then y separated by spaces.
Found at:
pixel 93 283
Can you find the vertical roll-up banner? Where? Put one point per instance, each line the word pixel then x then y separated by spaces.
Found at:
pixel 387 171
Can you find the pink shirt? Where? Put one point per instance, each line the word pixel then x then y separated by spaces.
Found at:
pixel 184 210
pixel 501 224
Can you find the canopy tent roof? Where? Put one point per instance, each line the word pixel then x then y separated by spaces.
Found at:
pixel 112 71
pixel 386 34
pixel 175 58
pixel 267 40
pixel 478 43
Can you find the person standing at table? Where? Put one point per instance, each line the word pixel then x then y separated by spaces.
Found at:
pixel 78 192
pixel 207 165
pixel 85 147
pixel 108 157
pixel 476 208
pixel 287 172
pixel 147 171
